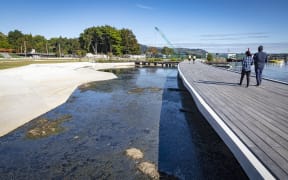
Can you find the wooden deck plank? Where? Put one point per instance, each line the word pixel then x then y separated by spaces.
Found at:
pixel 257 115
pixel 262 131
pixel 252 109
pixel 264 123
pixel 273 166
pixel 266 117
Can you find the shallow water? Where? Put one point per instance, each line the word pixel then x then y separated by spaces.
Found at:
pixel 146 108
pixel 274 71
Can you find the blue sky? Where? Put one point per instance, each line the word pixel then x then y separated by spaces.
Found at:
pixel 213 25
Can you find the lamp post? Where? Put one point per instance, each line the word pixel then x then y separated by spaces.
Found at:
pixel 47 49
pixel 59 50
pixel 25 48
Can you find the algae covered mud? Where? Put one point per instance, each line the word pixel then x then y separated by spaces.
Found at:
pixel 143 125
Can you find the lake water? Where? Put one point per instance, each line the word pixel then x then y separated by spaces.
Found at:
pixel 145 108
pixel 276 71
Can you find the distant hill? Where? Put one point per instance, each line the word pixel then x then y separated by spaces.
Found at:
pixel 196 52
pixel 143 48
pixel 186 51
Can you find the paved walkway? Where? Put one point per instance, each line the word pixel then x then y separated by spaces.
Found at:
pixel 253 121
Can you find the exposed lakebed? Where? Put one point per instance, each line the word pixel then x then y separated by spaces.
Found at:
pixel 120 129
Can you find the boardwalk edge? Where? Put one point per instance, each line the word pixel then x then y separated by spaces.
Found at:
pixel 249 162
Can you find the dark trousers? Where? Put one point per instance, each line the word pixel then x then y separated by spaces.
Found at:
pixel 258 72
pixel 243 73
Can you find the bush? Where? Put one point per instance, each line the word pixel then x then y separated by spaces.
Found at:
pixel 209 57
pixel 13 55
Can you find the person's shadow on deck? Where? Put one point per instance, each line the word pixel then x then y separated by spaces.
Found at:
pixel 217 83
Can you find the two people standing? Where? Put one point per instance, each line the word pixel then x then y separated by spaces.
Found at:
pixel 259 59
pixel 189 59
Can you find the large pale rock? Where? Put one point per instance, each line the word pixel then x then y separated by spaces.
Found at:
pixel 149 169
pixel 134 153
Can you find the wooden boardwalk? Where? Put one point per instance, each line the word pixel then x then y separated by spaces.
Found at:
pixel 253 121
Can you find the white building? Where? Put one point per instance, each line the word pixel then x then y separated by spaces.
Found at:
pixel 231 55
pixel 97 56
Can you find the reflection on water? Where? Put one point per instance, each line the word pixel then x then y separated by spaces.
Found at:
pixel 147 110
pixel 276 71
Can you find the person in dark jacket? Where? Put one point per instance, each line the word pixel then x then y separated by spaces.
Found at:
pixel 246 67
pixel 260 59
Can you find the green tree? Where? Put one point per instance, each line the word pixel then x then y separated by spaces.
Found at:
pixel 39 43
pixel 91 39
pixel 28 42
pixel 129 42
pixel 152 51
pixel 103 39
pixel 65 46
pixel 55 44
pixel 209 57
pixel 107 39
pixel 112 39
pixel 4 41
pixel 167 51
pixel 73 46
pixel 16 40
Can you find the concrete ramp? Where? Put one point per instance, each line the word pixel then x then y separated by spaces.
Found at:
pixel 5 55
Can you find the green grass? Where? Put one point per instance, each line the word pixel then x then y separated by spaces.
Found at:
pixel 13 55
pixel 151 60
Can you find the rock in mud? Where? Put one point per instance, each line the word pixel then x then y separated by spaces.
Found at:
pixel 149 169
pixel 134 153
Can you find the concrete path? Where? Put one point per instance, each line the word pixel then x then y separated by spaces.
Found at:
pixel 29 91
pixel 5 55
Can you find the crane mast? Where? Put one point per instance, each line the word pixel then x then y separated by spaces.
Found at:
pixel 164 37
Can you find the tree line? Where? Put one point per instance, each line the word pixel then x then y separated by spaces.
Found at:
pixel 97 40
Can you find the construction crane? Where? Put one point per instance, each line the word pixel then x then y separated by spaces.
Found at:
pixel 164 37
pixel 168 42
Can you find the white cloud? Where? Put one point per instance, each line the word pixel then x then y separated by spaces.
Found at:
pixel 237 47
pixel 144 7
pixel 234 36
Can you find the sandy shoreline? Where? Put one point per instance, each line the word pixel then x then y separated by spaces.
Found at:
pixel 29 91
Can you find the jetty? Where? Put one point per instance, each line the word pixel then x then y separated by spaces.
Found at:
pixel 157 63
pixel 253 121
